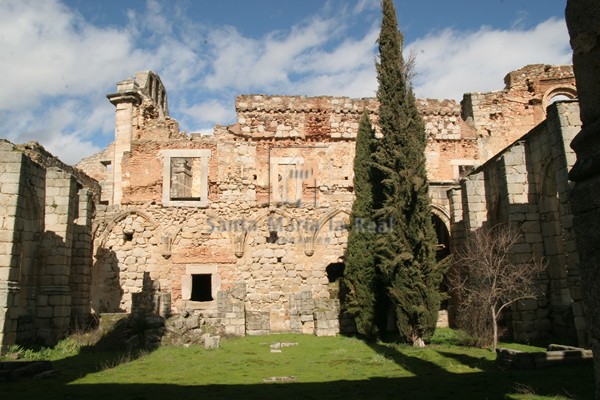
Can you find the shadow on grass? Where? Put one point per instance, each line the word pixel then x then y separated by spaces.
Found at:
pixel 429 381
pixel 429 386
pixel 487 381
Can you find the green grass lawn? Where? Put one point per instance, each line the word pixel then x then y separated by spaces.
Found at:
pixel 324 368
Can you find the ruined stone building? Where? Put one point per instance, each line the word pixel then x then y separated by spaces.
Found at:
pixel 46 212
pixel 246 228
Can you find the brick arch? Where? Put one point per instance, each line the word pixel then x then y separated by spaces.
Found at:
pixel 558 90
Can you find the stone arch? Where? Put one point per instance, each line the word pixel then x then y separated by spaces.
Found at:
pixel 327 219
pixel 28 239
pixel 569 92
pixel 558 294
pixel 441 223
pixel 120 217
pixel 127 249
pixel 240 238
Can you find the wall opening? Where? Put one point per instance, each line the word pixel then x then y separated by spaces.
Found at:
pixel 107 166
pixel 334 272
pixel 185 177
pixel 442 251
pixel 443 237
pixel 272 238
pixel 201 287
pixel 185 182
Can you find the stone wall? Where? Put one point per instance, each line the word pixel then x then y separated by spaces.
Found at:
pixel 583 22
pixel 264 203
pixel 45 245
pixel 502 117
pixel 527 186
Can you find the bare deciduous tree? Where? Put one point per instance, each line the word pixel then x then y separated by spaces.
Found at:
pixel 486 281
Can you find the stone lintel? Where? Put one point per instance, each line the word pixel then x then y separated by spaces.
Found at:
pixel 203 255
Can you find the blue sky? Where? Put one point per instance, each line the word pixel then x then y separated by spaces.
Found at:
pixel 60 58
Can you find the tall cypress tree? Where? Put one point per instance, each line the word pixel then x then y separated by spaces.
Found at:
pixel 359 272
pixel 406 252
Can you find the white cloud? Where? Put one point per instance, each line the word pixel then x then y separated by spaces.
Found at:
pixel 347 56
pixel 206 113
pixel 241 63
pixel 363 5
pixel 358 83
pixel 56 67
pixel 60 128
pixel 450 63
pixel 50 51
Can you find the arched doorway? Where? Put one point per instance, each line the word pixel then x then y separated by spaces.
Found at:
pixel 440 223
pixel 443 237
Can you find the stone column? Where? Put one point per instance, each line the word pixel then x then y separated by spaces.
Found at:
pixel 125 101
pixel 81 259
pixel 10 185
pixel 583 22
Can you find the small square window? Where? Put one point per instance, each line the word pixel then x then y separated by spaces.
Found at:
pixel 107 166
pixel 201 287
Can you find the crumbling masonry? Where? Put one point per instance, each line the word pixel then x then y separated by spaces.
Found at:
pixel 245 229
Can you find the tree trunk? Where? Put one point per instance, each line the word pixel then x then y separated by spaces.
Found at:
pixel 495 326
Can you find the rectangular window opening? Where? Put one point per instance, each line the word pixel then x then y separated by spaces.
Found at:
pixel 185 178
pixel 107 166
pixel 201 287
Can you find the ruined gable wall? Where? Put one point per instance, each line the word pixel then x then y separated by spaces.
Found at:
pixel 45 246
pixel 502 117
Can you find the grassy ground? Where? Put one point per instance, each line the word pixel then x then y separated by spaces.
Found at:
pixel 324 368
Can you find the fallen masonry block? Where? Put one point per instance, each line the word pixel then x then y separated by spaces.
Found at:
pixel 280 379
pixel 555 355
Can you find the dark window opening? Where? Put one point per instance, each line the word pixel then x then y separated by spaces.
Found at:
pixel 443 237
pixel 202 287
pixel 128 236
pixel 335 271
pixel 442 251
pixel 272 237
